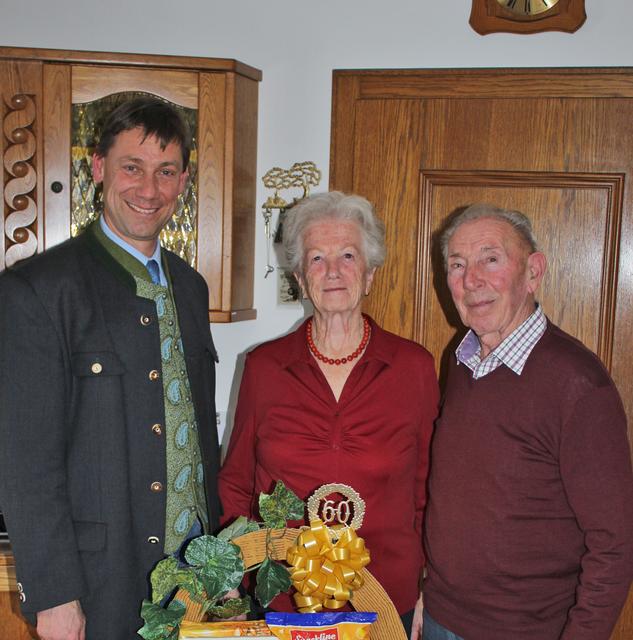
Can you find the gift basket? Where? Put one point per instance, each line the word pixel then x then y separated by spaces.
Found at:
pixel 325 563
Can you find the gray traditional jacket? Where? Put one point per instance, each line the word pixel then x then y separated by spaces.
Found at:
pixel 80 428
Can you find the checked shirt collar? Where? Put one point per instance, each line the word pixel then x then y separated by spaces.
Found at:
pixel 513 352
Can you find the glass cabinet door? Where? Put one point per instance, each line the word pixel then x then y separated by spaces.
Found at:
pixel 87 120
pixel 93 95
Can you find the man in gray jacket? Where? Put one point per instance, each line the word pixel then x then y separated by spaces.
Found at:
pixel 108 444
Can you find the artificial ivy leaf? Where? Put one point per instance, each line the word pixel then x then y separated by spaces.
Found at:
pixel 238 528
pixel 280 506
pixel 166 576
pixel 230 608
pixel 189 581
pixel 161 624
pixel 218 564
pixel 272 579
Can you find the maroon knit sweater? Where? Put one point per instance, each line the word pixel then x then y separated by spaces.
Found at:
pixel 529 529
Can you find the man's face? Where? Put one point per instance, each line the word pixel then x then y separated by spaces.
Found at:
pixel 492 277
pixel 141 183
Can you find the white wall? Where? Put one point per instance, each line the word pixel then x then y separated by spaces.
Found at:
pixel 297 44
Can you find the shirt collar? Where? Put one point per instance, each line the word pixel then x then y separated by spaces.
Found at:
pixel 135 253
pixel 513 352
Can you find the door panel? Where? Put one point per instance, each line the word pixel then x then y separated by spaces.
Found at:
pixel 179 87
pixel 57 152
pixel 554 143
pixel 384 169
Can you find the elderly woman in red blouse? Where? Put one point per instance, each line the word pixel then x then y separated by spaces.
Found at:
pixel 339 399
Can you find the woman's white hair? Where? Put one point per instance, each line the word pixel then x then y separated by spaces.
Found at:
pixel 333 205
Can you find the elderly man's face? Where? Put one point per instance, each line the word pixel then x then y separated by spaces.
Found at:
pixel 492 277
pixel 335 275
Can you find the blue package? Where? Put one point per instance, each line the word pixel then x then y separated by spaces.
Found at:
pixel 320 619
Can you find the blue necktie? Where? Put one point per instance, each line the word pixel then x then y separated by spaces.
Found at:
pixel 154 273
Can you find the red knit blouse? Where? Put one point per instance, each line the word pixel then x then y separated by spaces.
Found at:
pixel 288 426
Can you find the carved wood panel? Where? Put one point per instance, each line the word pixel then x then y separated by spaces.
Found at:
pixel 21 166
pixel 19 155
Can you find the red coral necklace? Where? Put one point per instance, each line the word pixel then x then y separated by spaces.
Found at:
pixel 337 361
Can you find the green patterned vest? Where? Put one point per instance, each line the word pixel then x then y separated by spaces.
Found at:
pixel 185 495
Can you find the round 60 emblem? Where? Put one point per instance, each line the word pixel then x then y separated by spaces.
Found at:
pixel 337 514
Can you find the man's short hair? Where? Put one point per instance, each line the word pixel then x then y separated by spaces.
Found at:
pixel 155 117
pixel 519 222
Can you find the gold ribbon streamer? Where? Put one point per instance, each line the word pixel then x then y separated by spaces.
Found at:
pixel 325 574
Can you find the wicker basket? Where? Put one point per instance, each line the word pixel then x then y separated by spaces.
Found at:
pixel 370 597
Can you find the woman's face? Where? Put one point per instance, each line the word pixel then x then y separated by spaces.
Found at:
pixel 335 276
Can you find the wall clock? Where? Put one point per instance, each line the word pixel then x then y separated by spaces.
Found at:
pixel 527 16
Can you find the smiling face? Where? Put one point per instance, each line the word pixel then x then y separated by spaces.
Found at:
pixel 335 277
pixel 492 277
pixel 141 183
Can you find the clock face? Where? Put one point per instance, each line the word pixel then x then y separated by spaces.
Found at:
pixel 528 7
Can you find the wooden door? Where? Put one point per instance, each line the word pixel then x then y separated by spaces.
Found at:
pixel 556 144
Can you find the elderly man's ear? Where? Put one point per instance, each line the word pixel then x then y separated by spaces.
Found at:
pixel 536 266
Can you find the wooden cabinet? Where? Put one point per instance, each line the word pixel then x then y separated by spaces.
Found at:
pixel 46 96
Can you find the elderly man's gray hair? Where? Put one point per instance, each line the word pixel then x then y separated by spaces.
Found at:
pixel 333 205
pixel 519 221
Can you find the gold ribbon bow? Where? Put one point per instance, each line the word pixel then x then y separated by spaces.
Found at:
pixel 325 574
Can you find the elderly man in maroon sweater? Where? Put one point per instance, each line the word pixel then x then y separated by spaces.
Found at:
pixel 529 530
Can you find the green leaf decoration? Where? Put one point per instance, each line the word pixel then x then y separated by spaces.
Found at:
pixel 192 584
pixel 230 608
pixel 215 567
pixel 272 579
pixel 218 564
pixel 166 576
pixel 237 528
pixel 279 507
pixel 161 624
